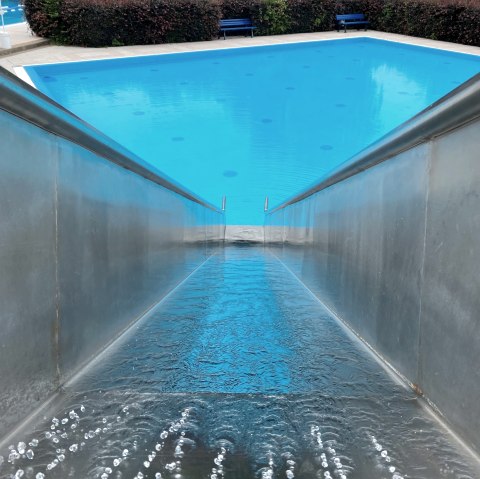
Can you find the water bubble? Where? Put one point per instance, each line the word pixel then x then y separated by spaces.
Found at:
pixel 21 447
pixel 117 461
pixel 64 420
pixel 108 470
pixel 290 474
pixel 146 464
pixel 378 447
pixel 164 435
pixel 171 466
pixel 13 456
pixel 391 469
pixel 82 408
pixel 61 457
pixel 125 453
pixel 158 447
pixel 90 434
pixel 20 473
pixel 55 440
pixel 158 476
pixel 324 464
pixel 40 475
pixel 104 420
pixel 73 448
pixel 104 476
pixel 33 443
pixel 30 454
pixel 384 453
pixel 98 431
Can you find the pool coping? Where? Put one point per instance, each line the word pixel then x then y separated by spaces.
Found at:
pixel 64 54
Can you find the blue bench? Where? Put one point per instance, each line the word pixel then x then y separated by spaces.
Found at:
pixel 351 19
pixel 236 24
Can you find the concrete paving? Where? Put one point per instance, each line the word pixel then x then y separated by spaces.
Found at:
pixel 21 39
pixel 56 53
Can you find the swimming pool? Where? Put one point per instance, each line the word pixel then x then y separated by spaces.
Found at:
pixel 13 12
pixel 259 121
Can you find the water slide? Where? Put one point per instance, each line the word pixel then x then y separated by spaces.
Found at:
pixel 137 343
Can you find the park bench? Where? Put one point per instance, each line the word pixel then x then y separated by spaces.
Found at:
pixel 352 19
pixel 236 24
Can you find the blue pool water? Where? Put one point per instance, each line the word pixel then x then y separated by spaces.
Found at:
pixel 13 12
pixel 260 121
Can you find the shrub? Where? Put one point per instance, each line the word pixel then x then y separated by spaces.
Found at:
pixel 128 22
pixel 96 23
pixel 273 18
pixel 43 17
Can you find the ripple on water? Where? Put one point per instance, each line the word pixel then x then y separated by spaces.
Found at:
pixel 239 374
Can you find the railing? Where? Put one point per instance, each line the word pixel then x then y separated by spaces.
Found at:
pixel 459 107
pixel 27 103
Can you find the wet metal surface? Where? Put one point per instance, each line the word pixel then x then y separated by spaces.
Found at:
pixel 86 247
pixel 393 251
pixel 240 373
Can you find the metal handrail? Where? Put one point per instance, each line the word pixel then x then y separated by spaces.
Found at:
pixel 20 99
pixel 455 109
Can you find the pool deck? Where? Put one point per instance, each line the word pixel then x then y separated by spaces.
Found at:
pixel 56 54
pixel 22 39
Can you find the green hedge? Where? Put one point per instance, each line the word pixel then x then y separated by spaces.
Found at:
pixel 130 22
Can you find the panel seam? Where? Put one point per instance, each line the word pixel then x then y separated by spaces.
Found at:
pixel 419 378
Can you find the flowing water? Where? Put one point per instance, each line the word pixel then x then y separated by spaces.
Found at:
pixel 239 373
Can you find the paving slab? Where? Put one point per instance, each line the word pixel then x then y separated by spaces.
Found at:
pixel 57 53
